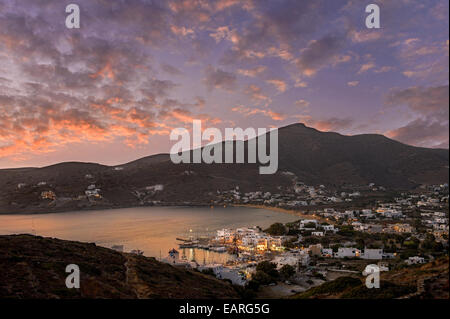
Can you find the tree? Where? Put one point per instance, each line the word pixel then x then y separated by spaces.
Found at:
pixel 411 244
pixel 260 277
pixel 277 229
pixel 430 237
pixel 268 268
pixel 346 231
pixel 287 271
pixel 253 284
pixel 360 243
pixel 325 241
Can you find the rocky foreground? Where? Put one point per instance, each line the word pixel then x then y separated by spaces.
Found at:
pixel 34 267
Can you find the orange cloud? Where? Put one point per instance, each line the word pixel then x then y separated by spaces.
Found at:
pixel 279 84
pixel 246 111
pixel 105 72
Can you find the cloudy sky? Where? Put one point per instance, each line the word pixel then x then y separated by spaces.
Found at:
pixel 112 91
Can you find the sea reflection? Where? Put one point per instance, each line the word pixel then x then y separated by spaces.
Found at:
pixel 153 230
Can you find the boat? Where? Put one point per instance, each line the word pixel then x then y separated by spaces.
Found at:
pixel 187 245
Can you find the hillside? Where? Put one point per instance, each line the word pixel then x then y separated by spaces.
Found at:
pixel 428 281
pixel 314 157
pixel 34 267
pixel 331 158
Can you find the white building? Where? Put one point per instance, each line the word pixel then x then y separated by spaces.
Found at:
pixel 415 260
pixel 93 192
pixel 292 258
pixel 174 259
pixel 317 233
pixel 347 252
pixel 372 254
pixel 235 275
pixel 225 234
pixel 329 228
pixel 367 213
pixel 155 188
pixel 276 242
pixel 304 222
pixel 285 260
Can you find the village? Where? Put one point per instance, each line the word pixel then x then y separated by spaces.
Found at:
pixel 329 242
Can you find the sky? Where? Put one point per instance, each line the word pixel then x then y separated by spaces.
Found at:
pixel 113 90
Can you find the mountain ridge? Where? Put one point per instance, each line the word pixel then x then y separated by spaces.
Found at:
pixel 314 157
pixel 168 154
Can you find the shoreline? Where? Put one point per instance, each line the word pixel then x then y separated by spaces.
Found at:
pixel 286 211
pixel 298 213
pixel 176 205
pixel 92 208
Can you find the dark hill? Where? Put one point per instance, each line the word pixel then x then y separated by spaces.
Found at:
pixel 34 267
pixel 331 158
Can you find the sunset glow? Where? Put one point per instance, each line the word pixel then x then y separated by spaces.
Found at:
pixel 112 91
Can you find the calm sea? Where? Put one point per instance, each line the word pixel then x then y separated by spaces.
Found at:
pixel 151 229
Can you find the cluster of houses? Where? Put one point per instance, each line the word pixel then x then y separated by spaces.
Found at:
pixel 384 211
pixel 45 194
pixel 432 197
pixel 370 219
pixel 297 196
pixel 238 275
pixel 253 241
pixel 437 224
pixel 300 195
pixel 48 195
pixel 250 239
pixel 92 192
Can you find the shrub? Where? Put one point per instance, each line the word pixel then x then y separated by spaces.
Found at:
pixel 262 278
pixel 268 267
pixel 287 271
pixel 277 229
pixel 333 287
